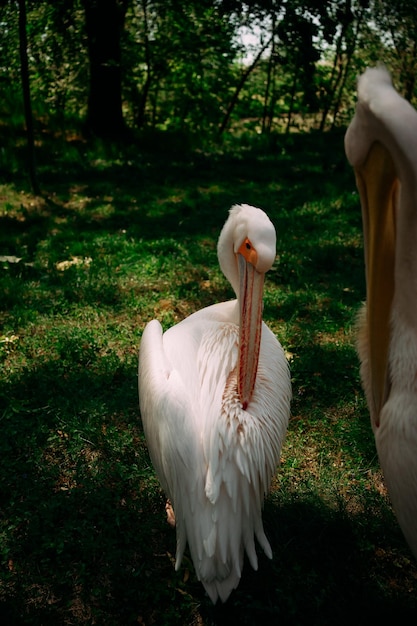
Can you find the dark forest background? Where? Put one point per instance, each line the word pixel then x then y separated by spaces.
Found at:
pixel 196 68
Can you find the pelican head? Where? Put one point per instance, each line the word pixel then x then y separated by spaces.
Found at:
pixel 246 250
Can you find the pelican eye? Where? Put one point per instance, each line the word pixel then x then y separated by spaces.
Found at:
pixel 247 250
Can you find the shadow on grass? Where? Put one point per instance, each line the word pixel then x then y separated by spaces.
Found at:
pixel 317 575
pixel 106 560
pixel 88 542
pixel 77 498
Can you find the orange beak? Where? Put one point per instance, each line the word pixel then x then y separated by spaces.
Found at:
pixel 378 187
pixel 250 325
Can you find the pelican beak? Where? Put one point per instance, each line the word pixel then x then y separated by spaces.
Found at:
pixel 250 299
pixel 378 187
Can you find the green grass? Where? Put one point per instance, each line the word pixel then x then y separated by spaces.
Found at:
pixel 121 237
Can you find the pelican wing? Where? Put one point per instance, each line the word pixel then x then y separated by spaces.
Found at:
pixel 182 375
pixel 167 418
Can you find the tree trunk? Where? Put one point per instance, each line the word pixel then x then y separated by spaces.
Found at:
pixel 24 68
pixel 292 101
pixel 104 25
pixel 351 49
pixel 333 84
pixel 410 75
pixel 335 77
pixel 266 97
pixel 240 85
pixel 268 107
pixel 141 114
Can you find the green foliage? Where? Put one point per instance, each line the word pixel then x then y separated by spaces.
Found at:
pixel 83 536
pixel 183 66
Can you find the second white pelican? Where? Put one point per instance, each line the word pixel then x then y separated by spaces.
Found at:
pixel 381 144
pixel 215 397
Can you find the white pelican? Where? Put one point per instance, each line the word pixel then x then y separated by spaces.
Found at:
pixel 381 144
pixel 215 397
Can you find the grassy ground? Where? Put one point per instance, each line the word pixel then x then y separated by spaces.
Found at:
pixel 119 239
